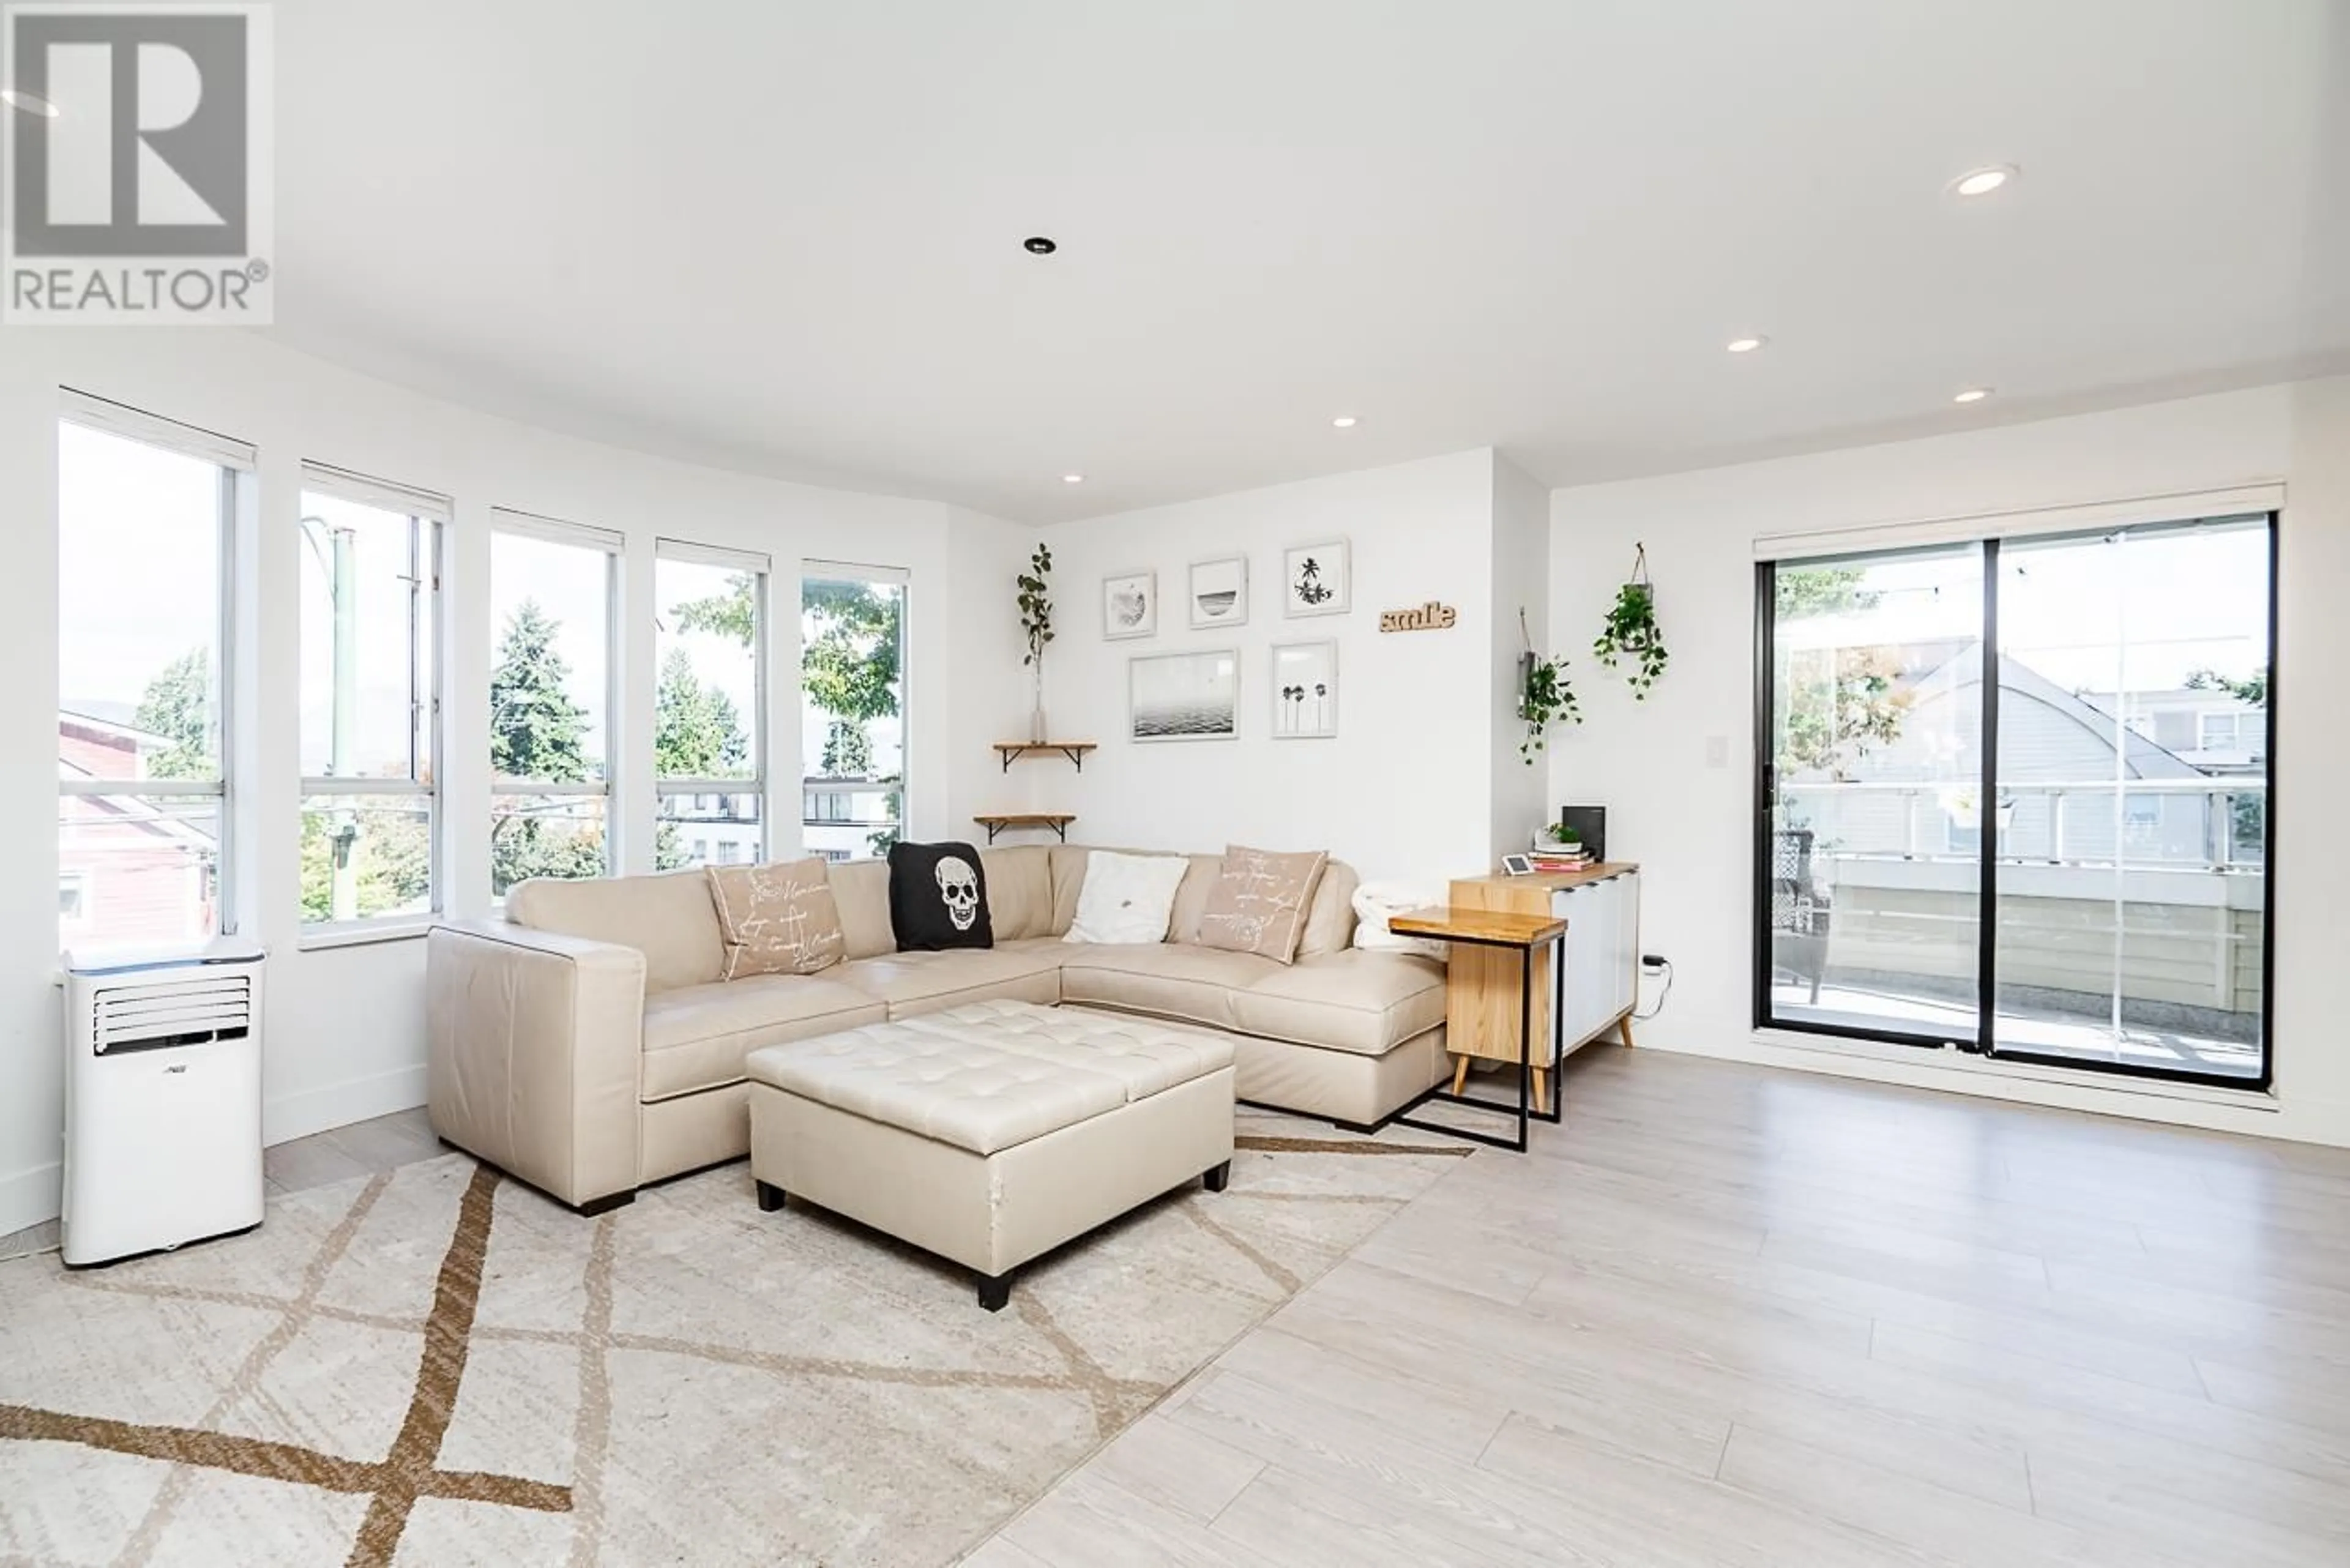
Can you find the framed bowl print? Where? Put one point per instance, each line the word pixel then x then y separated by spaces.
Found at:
pixel 1220 593
pixel 1316 579
pixel 1130 604
pixel 1184 696
pixel 1305 691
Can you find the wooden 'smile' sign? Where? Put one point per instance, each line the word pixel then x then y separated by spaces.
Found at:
pixel 1430 616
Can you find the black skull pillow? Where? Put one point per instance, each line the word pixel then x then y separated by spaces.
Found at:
pixel 938 897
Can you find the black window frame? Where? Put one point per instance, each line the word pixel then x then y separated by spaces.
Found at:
pixel 1984 1044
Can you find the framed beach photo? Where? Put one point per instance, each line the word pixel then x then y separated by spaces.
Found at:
pixel 1316 579
pixel 1305 691
pixel 1184 696
pixel 1220 593
pixel 1130 604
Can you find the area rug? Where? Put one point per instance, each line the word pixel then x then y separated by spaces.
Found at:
pixel 436 1367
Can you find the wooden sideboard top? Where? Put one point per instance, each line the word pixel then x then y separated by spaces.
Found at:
pixel 1556 879
pixel 1454 923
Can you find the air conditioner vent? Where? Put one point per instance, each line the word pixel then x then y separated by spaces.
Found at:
pixel 159 1014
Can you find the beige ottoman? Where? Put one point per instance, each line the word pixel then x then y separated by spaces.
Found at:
pixel 992 1133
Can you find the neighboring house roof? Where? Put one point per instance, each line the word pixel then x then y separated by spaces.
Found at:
pixel 2143 757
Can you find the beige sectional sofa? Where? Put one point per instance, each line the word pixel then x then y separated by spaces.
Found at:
pixel 585 1044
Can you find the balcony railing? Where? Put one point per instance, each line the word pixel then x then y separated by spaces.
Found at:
pixel 2075 822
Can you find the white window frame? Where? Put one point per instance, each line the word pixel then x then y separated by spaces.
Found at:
pixel 614 547
pixel 428 517
pixel 762 569
pixel 853 572
pixel 2235 730
pixel 237 463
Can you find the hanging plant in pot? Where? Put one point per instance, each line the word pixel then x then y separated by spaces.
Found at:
pixel 1631 632
pixel 1036 622
pixel 1544 697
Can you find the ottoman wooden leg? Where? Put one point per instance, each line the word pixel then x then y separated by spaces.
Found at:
pixel 1215 1179
pixel 770 1197
pixel 994 1291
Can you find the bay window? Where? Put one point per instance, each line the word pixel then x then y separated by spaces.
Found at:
pixel 371 707
pixel 554 613
pixel 709 705
pixel 146 521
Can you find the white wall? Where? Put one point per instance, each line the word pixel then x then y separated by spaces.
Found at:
pixel 1690 823
pixel 1404 789
pixel 1521 792
pixel 344 1027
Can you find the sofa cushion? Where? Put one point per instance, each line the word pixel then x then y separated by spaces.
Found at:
pixel 938 897
pixel 668 917
pixel 774 918
pixel 1126 897
pixel 1330 918
pixel 916 982
pixel 1368 1002
pixel 1191 897
pixel 696 1035
pixel 860 891
pixel 1171 980
pixel 1260 901
pixel 1019 891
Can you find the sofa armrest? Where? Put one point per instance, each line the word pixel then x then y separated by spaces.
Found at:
pixel 536 1052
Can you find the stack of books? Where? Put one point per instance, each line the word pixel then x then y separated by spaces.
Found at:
pixel 1560 857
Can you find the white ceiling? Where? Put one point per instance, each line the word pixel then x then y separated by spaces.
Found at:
pixel 785 236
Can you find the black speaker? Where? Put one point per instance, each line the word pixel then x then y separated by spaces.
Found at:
pixel 1588 822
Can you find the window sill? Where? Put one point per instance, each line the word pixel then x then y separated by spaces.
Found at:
pixel 363 933
pixel 1962 1064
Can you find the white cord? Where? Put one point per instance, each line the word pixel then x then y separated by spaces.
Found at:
pixel 1668 968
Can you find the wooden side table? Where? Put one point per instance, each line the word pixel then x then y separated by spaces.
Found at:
pixel 1497 933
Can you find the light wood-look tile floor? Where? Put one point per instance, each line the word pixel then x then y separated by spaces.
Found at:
pixel 1727 1315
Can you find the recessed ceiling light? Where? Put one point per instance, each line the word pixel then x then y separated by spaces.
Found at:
pixel 1344 422
pixel 1972 395
pixel 1073 479
pixel 1984 181
pixel 1039 246
pixel 28 102
pixel 1746 345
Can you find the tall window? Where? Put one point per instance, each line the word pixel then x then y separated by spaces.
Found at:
pixel 853 709
pixel 370 697
pixel 145 518
pixel 553 608
pixel 2015 796
pixel 708 751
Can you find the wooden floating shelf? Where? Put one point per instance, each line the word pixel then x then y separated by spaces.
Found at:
pixel 1013 751
pixel 1004 822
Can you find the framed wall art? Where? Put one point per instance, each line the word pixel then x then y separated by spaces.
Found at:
pixel 1130 604
pixel 1220 593
pixel 1316 579
pixel 1305 691
pixel 1184 696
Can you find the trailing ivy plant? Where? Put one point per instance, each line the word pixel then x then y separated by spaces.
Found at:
pixel 1544 698
pixel 1631 631
pixel 1036 603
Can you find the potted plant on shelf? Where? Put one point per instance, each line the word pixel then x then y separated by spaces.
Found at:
pixel 1631 631
pixel 1037 621
pixel 1544 697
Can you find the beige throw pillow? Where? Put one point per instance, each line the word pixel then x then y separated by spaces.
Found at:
pixel 777 918
pixel 1259 902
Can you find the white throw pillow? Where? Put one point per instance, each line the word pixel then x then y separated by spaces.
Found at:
pixel 1126 897
pixel 1375 902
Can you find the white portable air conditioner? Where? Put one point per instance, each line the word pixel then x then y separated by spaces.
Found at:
pixel 162 1101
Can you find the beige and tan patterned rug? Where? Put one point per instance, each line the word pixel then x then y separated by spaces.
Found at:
pixel 437 1367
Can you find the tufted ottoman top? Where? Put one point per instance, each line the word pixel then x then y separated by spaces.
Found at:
pixel 991 1074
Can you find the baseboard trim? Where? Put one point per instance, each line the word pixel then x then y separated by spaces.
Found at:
pixel 2298 1118
pixel 33 1197
pixel 289 1117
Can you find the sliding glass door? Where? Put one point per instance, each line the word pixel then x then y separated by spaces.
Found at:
pixel 2068 734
